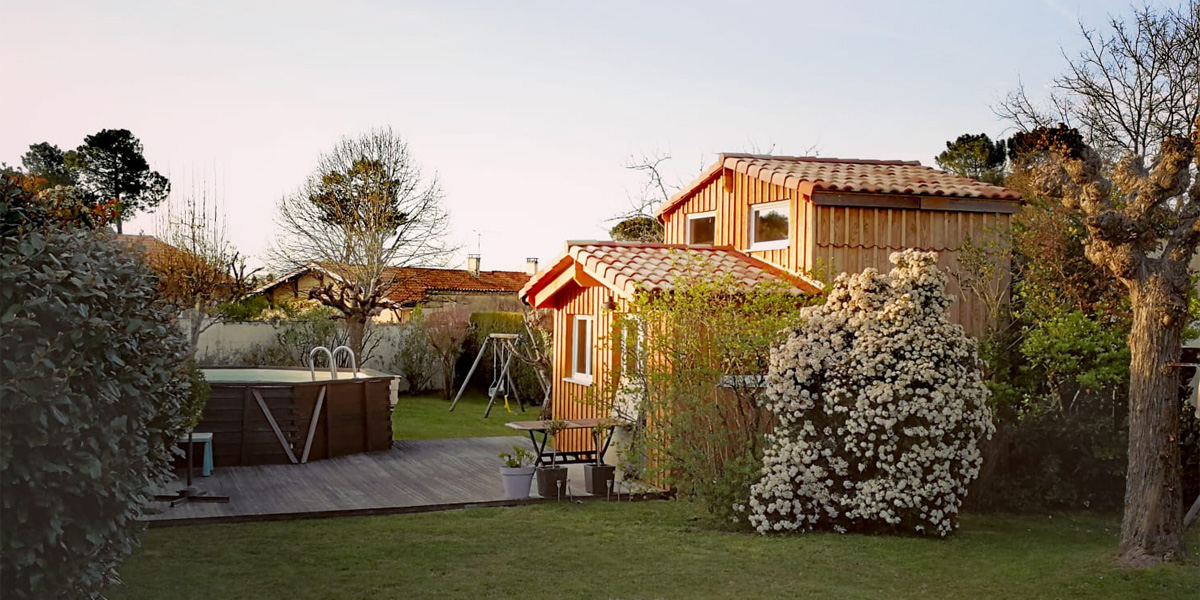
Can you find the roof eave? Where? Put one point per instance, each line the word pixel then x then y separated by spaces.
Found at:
pixel 682 195
pixel 298 271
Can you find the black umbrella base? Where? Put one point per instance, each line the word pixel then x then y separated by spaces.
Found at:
pixel 190 494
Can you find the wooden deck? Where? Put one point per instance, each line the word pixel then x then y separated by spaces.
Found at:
pixel 414 476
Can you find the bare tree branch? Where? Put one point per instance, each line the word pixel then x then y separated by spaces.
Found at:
pixel 365 210
pixel 1132 86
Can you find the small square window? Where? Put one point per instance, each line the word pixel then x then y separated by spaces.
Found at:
pixel 702 229
pixel 769 226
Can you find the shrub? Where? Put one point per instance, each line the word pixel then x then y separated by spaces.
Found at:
pixel 446 330
pixel 250 308
pixel 94 384
pixel 311 327
pixel 414 356
pixel 880 409
pixel 689 381
pixel 1060 416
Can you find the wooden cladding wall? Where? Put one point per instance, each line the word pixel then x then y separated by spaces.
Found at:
pixel 850 239
pixel 573 400
pixel 355 417
pixel 840 238
pixel 731 196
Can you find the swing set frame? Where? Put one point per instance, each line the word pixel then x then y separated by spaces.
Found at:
pixel 504 349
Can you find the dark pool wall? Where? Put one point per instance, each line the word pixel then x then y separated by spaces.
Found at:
pixel 355 417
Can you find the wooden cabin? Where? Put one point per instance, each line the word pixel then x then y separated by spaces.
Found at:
pixel 591 283
pixel 776 217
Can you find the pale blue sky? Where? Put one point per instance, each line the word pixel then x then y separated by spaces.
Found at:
pixel 527 111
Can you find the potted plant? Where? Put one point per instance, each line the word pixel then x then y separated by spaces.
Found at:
pixel 517 473
pixel 552 478
pixel 600 478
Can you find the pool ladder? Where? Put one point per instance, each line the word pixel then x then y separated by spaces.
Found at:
pixel 333 365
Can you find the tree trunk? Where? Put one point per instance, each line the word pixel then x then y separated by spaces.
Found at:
pixel 1152 529
pixel 120 217
pixel 357 324
pixel 195 320
pixel 448 363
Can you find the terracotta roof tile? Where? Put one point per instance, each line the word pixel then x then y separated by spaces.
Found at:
pixel 630 267
pixel 848 175
pixel 153 249
pixel 411 285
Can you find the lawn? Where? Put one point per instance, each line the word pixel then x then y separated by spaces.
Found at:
pixel 429 417
pixel 640 550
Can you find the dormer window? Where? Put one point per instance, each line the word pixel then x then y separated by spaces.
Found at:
pixel 769 225
pixel 702 229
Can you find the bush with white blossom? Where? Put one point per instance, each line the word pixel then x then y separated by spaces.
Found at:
pixel 880 410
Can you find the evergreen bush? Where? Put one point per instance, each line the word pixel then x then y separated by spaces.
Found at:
pixel 94 388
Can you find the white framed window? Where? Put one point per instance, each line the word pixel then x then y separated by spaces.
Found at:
pixel 769 225
pixel 582 349
pixel 702 228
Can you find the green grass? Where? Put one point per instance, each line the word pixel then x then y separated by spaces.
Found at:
pixel 641 550
pixel 429 417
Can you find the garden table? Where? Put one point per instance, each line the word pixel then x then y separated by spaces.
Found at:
pixel 572 457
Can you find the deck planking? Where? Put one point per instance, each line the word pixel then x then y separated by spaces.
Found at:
pixel 414 475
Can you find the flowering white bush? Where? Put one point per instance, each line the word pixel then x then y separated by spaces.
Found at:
pixel 880 410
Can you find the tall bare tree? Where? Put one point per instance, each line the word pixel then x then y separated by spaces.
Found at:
pixel 1135 84
pixel 365 209
pixel 200 271
pixel 1143 225
pixel 1130 172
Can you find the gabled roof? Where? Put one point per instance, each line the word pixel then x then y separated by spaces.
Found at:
pixel 627 268
pixel 410 286
pixel 807 174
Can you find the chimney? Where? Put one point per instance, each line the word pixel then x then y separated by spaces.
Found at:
pixel 473 265
pixel 531 266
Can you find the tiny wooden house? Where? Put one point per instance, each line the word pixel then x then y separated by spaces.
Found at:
pixel 762 217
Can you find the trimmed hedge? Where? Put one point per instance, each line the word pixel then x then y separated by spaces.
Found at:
pixel 94 388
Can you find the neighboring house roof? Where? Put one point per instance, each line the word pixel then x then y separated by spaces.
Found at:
pixel 415 284
pixel 154 249
pixel 631 267
pixel 412 285
pixel 847 175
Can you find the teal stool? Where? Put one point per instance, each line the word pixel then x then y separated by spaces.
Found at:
pixel 205 440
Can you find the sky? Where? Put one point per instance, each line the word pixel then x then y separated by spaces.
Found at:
pixel 526 112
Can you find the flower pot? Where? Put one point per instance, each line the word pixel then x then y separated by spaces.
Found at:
pixel 552 481
pixel 516 482
pixel 600 479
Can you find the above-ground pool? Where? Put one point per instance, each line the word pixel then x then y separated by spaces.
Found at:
pixel 279 375
pixel 282 415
